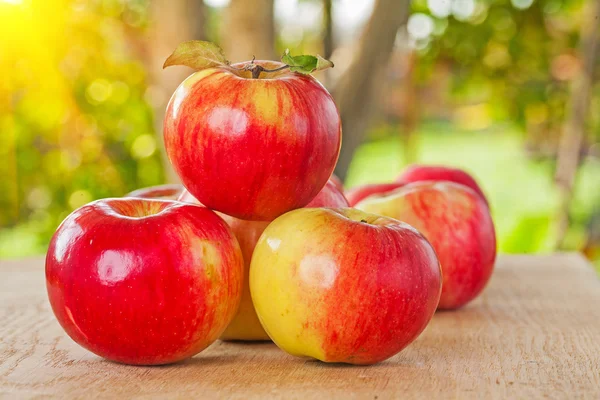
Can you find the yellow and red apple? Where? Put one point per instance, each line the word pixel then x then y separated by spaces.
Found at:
pixel 357 193
pixel 342 285
pixel 457 222
pixel 252 148
pixel 144 281
pixel 421 172
pixel 245 325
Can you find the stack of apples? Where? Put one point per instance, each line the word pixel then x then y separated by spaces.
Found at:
pixel 259 242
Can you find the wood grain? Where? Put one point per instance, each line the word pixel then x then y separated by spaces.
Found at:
pixel 535 333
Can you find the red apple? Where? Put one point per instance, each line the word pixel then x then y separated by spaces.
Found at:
pixel 245 325
pixel 329 196
pixel 252 148
pixel 144 281
pixel 337 182
pixel 418 173
pixel 457 222
pixel 165 192
pixel 342 285
pixel 357 193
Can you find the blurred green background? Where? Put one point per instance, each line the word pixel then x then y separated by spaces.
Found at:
pixel 506 89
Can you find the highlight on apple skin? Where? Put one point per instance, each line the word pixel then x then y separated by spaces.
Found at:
pixel 419 172
pixel 342 285
pixel 245 325
pixel 144 282
pixel 457 222
pixel 252 148
pixel 357 193
pixel 169 191
pixel 337 182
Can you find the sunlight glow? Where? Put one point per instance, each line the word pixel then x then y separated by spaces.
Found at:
pixel 420 26
pixel 217 3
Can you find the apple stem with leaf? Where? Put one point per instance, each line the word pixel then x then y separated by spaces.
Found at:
pixel 257 69
pixel 200 55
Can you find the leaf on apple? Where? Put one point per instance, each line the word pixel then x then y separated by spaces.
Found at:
pixel 197 54
pixel 323 63
pixel 305 64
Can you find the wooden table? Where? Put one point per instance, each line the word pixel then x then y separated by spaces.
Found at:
pixel 535 333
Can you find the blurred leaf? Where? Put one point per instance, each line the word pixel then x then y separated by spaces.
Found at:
pixel 305 64
pixel 323 63
pixel 197 54
pixel 528 236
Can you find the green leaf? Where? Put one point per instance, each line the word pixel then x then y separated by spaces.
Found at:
pixel 323 63
pixel 197 54
pixel 305 64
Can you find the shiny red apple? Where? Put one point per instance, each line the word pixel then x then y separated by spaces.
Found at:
pixel 245 325
pixel 342 285
pixel 144 281
pixel 357 193
pixel 457 222
pixel 252 148
pixel 418 173
pixel 170 191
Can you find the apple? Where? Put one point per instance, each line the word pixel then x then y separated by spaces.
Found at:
pixel 337 182
pixel 342 285
pixel 357 193
pixel 144 282
pixel 329 196
pixel 457 222
pixel 418 173
pixel 245 325
pixel 165 192
pixel 252 148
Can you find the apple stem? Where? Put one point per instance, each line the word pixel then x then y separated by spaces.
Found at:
pixel 257 69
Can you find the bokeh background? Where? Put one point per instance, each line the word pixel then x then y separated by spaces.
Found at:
pixel 507 89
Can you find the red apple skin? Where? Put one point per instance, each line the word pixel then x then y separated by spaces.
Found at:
pixel 341 285
pixel 170 191
pixel 245 325
pixel 144 282
pixel 337 182
pixel 457 222
pixel 252 148
pixel 329 196
pixel 418 173
pixel 357 193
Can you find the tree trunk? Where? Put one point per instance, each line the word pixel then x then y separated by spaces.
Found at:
pixel 411 110
pixel 327 29
pixel 173 22
pixel 573 132
pixel 355 91
pixel 248 30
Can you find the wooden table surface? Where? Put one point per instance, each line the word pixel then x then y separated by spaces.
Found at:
pixel 534 333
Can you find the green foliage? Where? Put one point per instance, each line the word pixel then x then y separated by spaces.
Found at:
pixel 521 60
pixel 529 234
pixel 305 64
pixel 197 54
pixel 76 125
pixel 520 189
